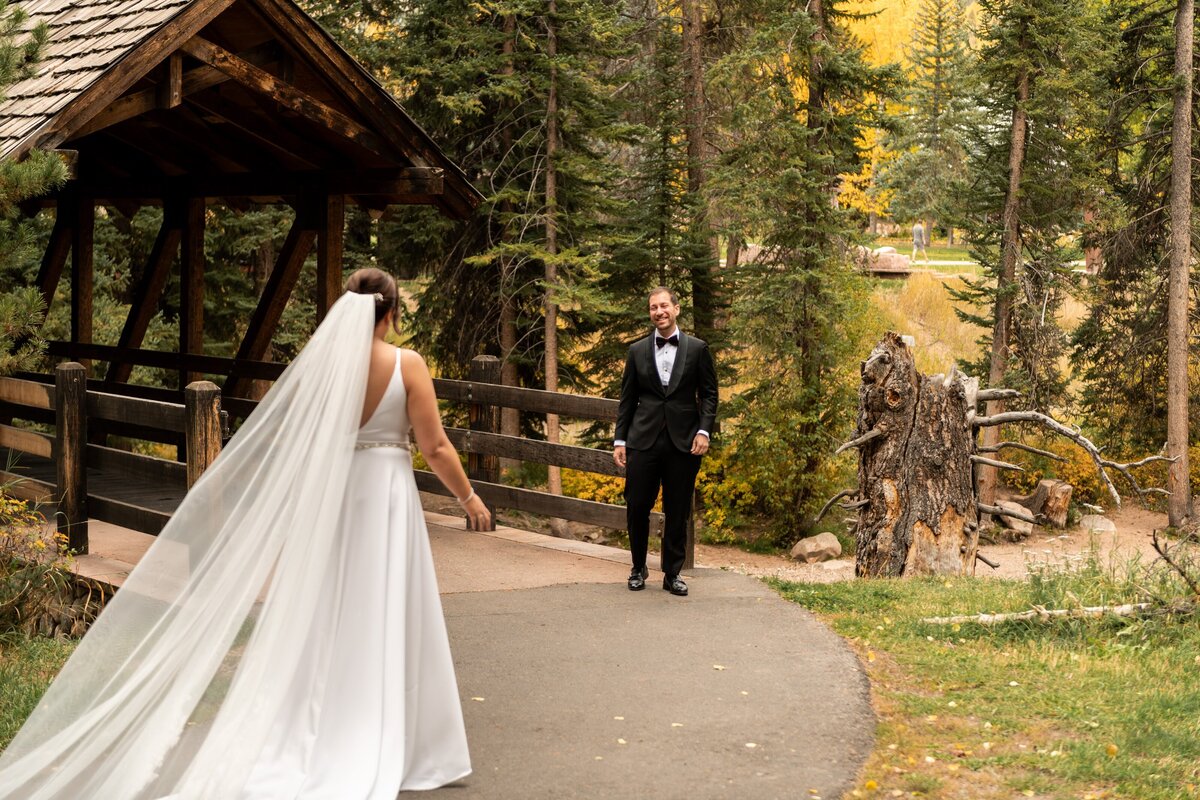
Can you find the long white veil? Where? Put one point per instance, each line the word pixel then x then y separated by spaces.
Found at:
pixel 173 690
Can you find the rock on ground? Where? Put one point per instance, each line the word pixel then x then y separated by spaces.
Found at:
pixel 1097 523
pixel 821 547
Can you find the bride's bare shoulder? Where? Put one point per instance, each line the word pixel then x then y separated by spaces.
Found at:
pixel 413 367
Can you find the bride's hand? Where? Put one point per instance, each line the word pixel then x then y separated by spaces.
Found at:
pixel 478 516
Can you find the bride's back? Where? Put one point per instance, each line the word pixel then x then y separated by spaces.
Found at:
pixel 384 414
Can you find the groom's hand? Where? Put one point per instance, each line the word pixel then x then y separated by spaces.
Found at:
pixel 619 455
pixel 699 445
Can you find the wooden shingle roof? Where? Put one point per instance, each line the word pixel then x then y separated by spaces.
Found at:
pixel 220 99
pixel 86 39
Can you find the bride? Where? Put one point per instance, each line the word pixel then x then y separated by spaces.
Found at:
pixel 283 638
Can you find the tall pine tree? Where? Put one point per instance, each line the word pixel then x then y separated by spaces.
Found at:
pixel 927 174
pixel 802 96
pixel 21 306
pixel 478 76
pixel 1120 347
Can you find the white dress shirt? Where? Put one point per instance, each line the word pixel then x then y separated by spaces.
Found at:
pixel 664 357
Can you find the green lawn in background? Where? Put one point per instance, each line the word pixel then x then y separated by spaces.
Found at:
pixel 938 250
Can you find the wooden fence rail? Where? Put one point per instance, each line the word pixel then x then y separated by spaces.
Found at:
pixel 199 422
pixel 73 404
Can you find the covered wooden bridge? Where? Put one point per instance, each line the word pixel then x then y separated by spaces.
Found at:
pixel 181 104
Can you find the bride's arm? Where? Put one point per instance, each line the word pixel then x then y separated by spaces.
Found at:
pixel 432 441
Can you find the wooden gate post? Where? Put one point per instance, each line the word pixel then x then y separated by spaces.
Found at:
pixel 70 383
pixel 202 402
pixel 484 418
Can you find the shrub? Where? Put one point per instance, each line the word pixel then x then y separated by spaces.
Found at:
pixel 38 592
pixel 593 486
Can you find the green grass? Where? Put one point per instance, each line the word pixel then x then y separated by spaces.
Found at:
pixel 1104 708
pixel 27 663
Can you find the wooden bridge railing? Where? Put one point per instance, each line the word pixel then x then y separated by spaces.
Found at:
pixel 485 446
pixel 58 469
pixel 71 405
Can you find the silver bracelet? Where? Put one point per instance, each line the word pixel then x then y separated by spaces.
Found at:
pixel 466 499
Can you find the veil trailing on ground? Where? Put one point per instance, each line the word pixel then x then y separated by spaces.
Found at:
pixel 173 691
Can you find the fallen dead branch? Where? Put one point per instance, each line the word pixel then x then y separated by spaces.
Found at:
pixel 1083 612
pixel 1074 434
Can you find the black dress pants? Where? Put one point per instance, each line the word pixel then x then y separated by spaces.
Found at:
pixel 646 471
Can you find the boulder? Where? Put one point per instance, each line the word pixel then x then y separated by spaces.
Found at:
pixel 821 547
pixel 1097 524
pixel 1017 526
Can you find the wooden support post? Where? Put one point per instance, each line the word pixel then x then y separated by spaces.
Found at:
pixel 330 234
pixel 71 429
pixel 257 341
pixel 191 285
pixel 170 89
pixel 202 401
pixel 486 419
pixel 56 254
pixel 82 268
pixel 150 289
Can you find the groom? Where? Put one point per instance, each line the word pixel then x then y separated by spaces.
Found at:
pixel 668 408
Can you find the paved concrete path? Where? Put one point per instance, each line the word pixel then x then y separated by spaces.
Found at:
pixel 575 687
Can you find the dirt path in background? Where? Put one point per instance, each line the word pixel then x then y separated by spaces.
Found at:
pixel 1131 540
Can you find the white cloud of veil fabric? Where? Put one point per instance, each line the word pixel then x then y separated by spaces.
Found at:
pixel 174 690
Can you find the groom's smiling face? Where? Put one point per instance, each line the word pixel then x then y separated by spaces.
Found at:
pixel 663 312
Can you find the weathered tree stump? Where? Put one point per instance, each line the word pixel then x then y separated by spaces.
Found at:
pixel 916 473
pixel 1052 499
pixel 917 498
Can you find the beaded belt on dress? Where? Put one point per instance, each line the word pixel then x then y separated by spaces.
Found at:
pixel 369 445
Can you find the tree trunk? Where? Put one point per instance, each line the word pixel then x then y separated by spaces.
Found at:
pixel 916 475
pixel 554 475
pixel 510 418
pixel 1179 506
pixel 704 256
pixel 1010 251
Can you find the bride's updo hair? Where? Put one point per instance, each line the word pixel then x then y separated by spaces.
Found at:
pixel 377 282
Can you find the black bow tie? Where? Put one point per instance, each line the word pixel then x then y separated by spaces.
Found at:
pixel 672 339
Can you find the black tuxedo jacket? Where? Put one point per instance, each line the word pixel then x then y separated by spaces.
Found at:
pixel 688 403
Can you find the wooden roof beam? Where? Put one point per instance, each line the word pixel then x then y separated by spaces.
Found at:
pixel 255 131
pixel 425 182
pixel 286 95
pixel 320 48
pixel 165 95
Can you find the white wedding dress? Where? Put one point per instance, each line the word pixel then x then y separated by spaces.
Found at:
pixel 283 638
pixel 373 708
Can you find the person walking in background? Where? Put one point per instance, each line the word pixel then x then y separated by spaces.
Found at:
pixel 665 417
pixel 918 234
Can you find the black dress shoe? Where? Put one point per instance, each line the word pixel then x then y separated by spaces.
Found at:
pixel 637 579
pixel 675 585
